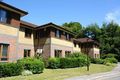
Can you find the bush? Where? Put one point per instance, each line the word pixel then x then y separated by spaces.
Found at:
pixel 77 55
pixel 111 60
pixel 108 64
pixel 10 69
pixel 54 63
pixel 32 64
pixel 97 61
pixel 72 62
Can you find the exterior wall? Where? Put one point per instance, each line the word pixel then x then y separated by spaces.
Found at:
pixel 43 43
pixel 8 35
pixel 24 40
pixel 77 48
pixel 57 44
pixel 96 52
pixel 8 30
pixel 61 42
pixel 21 50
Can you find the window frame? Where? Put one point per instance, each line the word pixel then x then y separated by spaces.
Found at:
pixel 57 34
pixel 28 53
pixel 28 33
pixel 1 52
pixel 3 17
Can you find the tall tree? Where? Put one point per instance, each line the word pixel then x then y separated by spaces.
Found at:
pixel 73 26
pixel 95 31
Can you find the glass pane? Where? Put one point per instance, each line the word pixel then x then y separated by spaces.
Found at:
pixel 2 16
pixel 5 50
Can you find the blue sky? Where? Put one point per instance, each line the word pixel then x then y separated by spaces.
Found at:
pixel 60 11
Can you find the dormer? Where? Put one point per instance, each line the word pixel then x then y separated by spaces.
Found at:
pixel 10 15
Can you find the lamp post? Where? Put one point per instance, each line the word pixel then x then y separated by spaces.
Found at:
pixel 89 35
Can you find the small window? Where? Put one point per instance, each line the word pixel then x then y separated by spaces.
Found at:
pixel 57 34
pixel 67 53
pixel 28 33
pixel 58 53
pixel 27 53
pixel 4 52
pixel 67 37
pixel 3 16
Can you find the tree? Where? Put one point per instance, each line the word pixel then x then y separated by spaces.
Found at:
pixel 73 26
pixel 94 30
pixel 110 39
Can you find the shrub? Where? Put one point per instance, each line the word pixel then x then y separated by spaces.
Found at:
pixel 32 64
pixel 68 62
pixel 97 61
pixel 77 55
pixel 26 73
pixel 108 64
pixel 111 60
pixel 72 62
pixel 110 56
pixel 54 63
pixel 10 69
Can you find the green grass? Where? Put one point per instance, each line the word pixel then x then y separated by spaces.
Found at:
pixel 60 74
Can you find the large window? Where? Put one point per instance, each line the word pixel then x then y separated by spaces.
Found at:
pixel 27 52
pixel 3 15
pixel 28 33
pixel 4 52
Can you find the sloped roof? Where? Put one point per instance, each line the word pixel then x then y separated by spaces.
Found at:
pixel 55 26
pixel 12 8
pixel 28 24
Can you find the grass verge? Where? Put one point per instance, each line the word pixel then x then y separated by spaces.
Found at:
pixel 60 74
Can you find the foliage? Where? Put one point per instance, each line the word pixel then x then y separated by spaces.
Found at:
pixel 32 64
pixel 111 60
pixel 54 63
pixel 72 61
pixel 107 64
pixel 73 27
pixel 97 61
pixel 77 55
pixel 10 69
pixel 108 35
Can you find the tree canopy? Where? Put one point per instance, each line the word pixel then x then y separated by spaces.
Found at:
pixel 108 35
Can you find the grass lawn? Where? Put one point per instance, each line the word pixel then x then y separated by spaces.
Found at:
pixel 60 74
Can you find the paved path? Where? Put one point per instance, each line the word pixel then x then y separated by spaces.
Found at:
pixel 112 75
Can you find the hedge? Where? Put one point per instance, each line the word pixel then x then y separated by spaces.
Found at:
pixel 97 60
pixel 32 64
pixel 54 63
pixel 111 60
pixel 10 69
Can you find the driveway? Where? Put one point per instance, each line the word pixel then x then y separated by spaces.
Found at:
pixel 112 75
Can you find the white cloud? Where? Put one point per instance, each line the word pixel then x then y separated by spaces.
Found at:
pixel 113 16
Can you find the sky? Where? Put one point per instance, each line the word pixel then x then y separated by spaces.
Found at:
pixel 60 11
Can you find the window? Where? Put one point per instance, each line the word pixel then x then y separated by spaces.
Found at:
pixel 3 16
pixel 67 53
pixel 28 33
pixel 57 34
pixel 58 53
pixel 4 52
pixel 75 44
pixel 27 53
pixel 67 37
